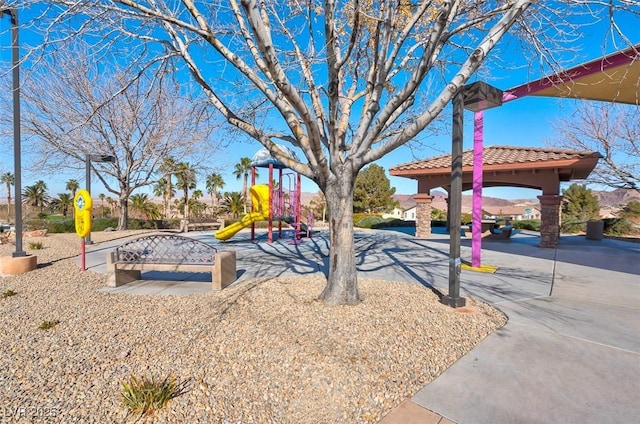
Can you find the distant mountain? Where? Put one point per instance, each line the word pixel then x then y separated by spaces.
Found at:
pixel 616 198
pixel 439 201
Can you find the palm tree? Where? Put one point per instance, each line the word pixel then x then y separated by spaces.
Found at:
pixel 102 197
pixel 72 186
pixel 160 189
pixel 214 182
pixel 62 203
pixel 36 195
pixel 233 203
pixel 186 175
pixel 242 170
pixel 141 203
pixel 196 194
pixel 8 179
pixel 112 204
pixel 196 207
pixel 42 189
pixel 168 169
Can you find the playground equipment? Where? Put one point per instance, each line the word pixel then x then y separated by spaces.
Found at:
pixel 259 212
pixel 278 200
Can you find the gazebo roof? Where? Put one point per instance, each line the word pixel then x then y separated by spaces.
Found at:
pixel 506 166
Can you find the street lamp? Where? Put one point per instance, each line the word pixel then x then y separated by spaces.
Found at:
pixel 88 159
pixel 476 97
pixel 15 61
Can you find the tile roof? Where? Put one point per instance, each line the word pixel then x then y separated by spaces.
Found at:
pixel 499 155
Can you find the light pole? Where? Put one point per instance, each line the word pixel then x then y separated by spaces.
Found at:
pixel 476 97
pixel 17 165
pixel 88 159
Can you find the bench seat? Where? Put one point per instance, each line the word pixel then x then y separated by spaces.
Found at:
pixel 172 253
pixel 502 232
pixel 204 225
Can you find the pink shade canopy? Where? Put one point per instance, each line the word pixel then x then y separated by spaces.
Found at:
pixel 614 78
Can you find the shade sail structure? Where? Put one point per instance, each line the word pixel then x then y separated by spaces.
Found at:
pixel 613 78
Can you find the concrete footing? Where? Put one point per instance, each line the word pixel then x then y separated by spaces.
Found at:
pixel 10 265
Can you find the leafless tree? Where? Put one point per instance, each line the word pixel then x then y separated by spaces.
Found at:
pixel 74 106
pixel 614 131
pixel 344 82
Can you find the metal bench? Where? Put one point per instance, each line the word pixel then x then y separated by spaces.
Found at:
pixel 502 232
pixel 168 252
pixel 208 225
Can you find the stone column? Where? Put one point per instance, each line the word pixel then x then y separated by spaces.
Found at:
pixel 549 220
pixel 423 215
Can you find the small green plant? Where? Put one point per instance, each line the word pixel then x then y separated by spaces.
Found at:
pixel 146 394
pixel 36 245
pixel 8 293
pixel 46 325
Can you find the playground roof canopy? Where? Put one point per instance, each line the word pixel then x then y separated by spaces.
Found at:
pixel 263 158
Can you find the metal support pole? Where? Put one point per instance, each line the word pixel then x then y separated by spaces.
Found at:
pixel 453 299
pixel 253 182
pixel 17 162
pixel 87 185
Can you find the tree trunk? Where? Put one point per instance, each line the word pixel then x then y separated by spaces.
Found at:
pixel 169 191
pixel 185 210
pixel 123 220
pixel 342 282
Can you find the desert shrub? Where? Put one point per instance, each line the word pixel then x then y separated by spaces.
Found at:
pixel 170 224
pixel 36 245
pixel 618 227
pixel 572 226
pixel 527 224
pixel 35 224
pixel 360 215
pixel 99 224
pixel 143 395
pixel 46 325
pixel 369 221
pixel 68 225
pixel 61 226
pixel 8 293
pixel 141 224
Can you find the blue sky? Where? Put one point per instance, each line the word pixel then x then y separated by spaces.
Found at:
pixel 525 122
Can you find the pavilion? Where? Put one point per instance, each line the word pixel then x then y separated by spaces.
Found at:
pixel 614 78
pixel 536 168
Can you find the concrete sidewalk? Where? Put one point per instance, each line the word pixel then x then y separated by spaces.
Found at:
pixel 569 353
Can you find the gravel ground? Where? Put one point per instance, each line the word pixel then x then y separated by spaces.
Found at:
pixel 266 351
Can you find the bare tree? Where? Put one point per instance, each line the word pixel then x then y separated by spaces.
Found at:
pixel 344 82
pixel 612 130
pixel 74 108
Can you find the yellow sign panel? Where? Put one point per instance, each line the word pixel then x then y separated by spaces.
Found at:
pixel 82 204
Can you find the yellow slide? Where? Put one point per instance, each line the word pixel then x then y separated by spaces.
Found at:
pixel 260 205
